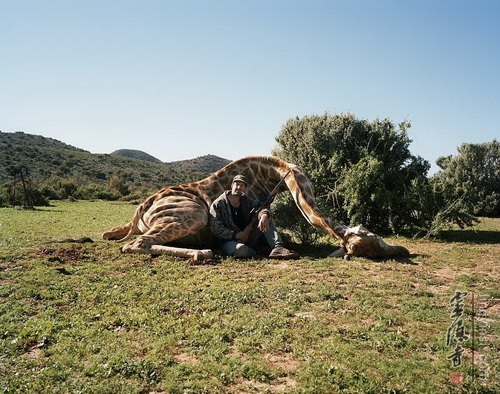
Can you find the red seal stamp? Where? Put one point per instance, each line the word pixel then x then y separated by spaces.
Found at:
pixel 457 378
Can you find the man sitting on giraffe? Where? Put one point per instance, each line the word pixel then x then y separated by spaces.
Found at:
pixel 232 223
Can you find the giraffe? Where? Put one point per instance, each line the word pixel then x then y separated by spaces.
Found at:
pixel 175 220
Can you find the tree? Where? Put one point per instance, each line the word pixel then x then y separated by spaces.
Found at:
pixel 363 171
pixel 117 187
pixel 470 181
pixel 20 191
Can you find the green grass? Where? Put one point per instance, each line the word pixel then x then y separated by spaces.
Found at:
pixel 86 318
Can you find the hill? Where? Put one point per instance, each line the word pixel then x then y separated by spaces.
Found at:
pixel 44 160
pixel 204 164
pixel 135 154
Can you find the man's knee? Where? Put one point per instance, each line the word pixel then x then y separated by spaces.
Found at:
pixel 243 250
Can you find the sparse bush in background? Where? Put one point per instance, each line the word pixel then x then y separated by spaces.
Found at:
pixel 470 181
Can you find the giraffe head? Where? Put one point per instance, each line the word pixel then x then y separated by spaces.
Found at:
pixel 359 241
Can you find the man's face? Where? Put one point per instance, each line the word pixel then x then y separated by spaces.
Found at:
pixel 238 188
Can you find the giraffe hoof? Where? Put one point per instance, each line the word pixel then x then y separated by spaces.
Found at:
pixel 204 254
pixel 126 249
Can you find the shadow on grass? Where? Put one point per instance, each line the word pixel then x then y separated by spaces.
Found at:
pixel 471 236
pixel 48 209
pixel 401 260
pixel 322 251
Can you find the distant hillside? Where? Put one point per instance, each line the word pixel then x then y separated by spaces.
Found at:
pixel 205 164
pixel 45 159
pixel 135 154
pixel 17 140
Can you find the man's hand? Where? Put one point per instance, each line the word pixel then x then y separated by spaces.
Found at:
pixel 263 223
pixel 242 236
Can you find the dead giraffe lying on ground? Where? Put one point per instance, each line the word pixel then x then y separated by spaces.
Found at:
pixel 175 220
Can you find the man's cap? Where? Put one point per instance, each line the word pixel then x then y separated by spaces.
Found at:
pixel 241 178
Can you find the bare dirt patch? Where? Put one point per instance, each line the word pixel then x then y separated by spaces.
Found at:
pixel 61 255
pixel 243 386
pixel 186 358
pixel 284 362
pixel 306 315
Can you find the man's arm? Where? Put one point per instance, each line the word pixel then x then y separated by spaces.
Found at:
pixel 217 222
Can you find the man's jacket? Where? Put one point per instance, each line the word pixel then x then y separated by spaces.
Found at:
pixel 221 220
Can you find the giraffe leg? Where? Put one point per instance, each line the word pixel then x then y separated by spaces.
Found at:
pixel 142 245
pixel 195 254
pixel 117 233
pixel 155 241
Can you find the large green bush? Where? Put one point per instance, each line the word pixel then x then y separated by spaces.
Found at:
pixel 363 172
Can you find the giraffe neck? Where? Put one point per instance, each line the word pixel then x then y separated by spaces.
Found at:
pixel 302 192
pixel 263 174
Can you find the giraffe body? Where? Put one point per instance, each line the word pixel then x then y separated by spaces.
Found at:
pixel 175 220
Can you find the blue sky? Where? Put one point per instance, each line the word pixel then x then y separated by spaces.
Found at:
pixel 181 79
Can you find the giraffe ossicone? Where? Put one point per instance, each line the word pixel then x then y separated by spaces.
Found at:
pixel 176 221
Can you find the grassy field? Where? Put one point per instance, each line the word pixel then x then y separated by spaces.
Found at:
pixel 84 318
